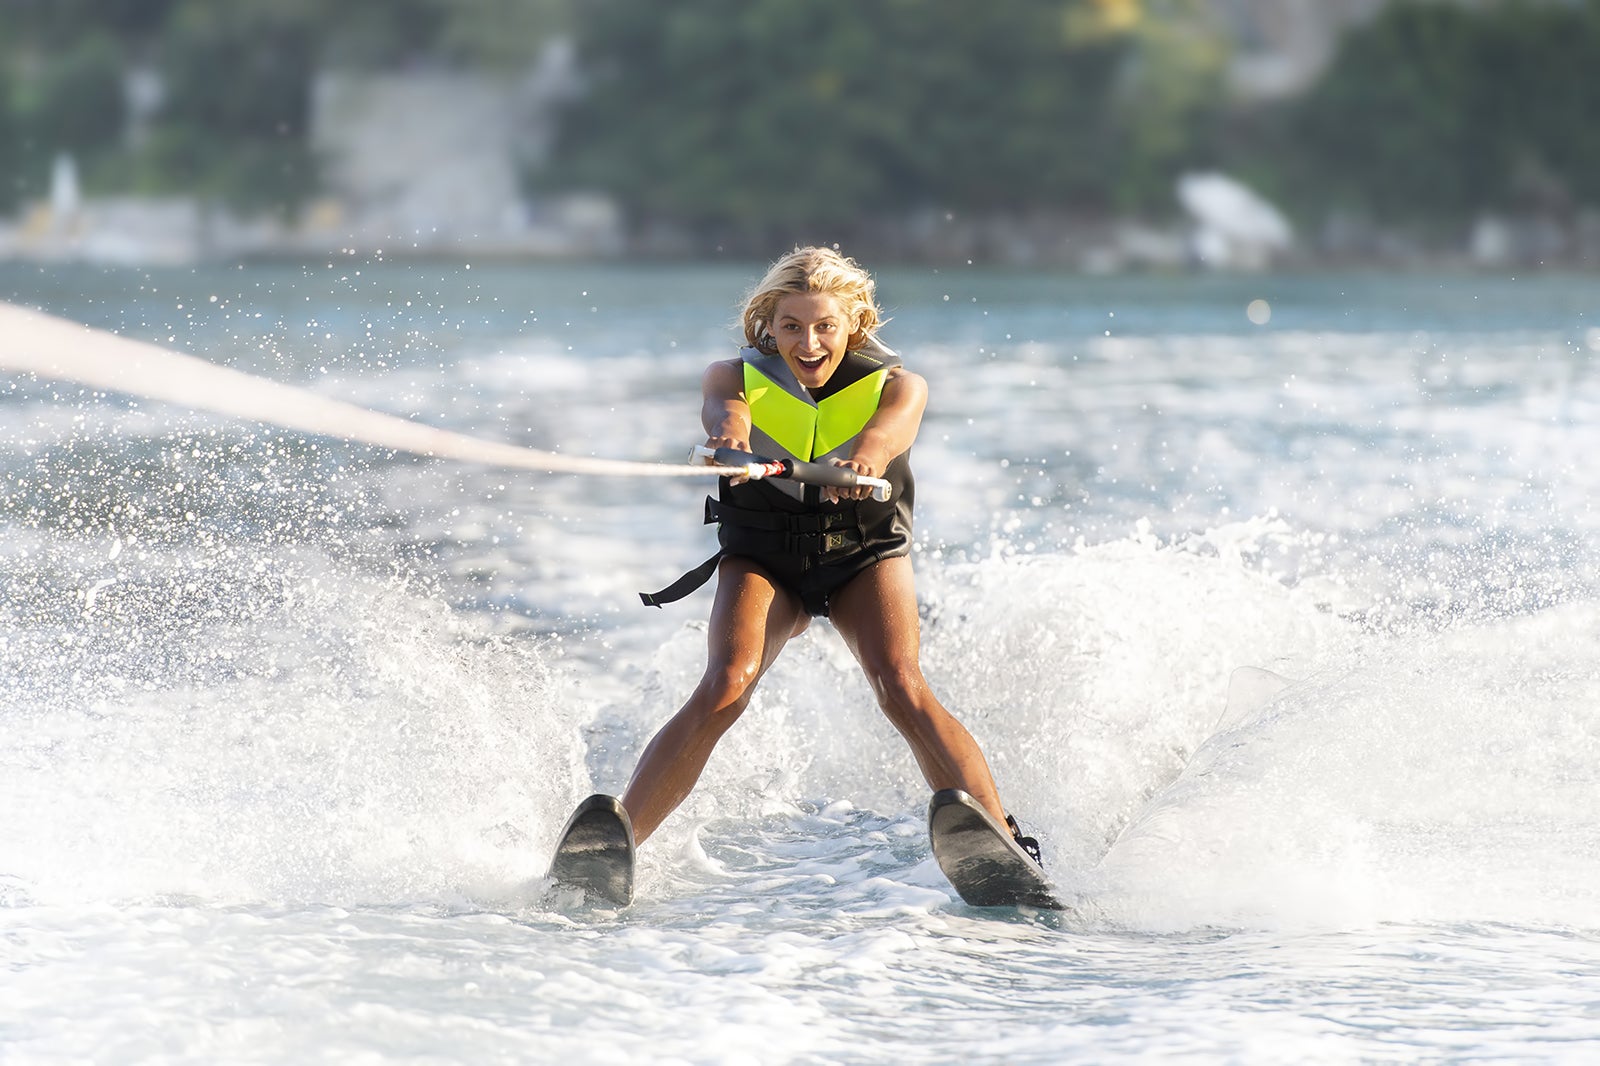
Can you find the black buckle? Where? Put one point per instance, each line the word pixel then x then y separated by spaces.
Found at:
pixel 820 543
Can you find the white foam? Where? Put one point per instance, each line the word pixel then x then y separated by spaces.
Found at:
pixel 300 732
pixel 1423 777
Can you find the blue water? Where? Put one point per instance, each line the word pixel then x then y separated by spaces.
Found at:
pixel 1278 630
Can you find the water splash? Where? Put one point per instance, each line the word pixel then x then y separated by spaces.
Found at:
pixel 274 724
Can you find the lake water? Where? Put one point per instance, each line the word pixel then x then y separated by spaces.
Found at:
pixel 288 725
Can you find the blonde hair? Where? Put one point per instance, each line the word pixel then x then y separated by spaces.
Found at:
pixel 812 269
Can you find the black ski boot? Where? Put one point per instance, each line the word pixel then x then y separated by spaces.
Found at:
pixel 1027 844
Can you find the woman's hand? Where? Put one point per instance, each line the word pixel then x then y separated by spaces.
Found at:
pixel 860 492
pixel 737 444
pixel 887 434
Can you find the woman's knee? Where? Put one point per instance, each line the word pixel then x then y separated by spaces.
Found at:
pixel 902 691
pixel 727 687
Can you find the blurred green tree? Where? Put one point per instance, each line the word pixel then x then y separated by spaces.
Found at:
pixel 1170 107
pixel 237 113
pixel 1433 112
pixel 390 34
pixel 764 116
pixel 63 95
pixel 501 34
pixel 11 187
pixel 74 105
pixel 760 115
pixel 1544 58
pixel 378 34
pixel 55 24
pixel 1394 127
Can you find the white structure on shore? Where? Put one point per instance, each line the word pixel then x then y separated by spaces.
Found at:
pixel 432 161
pixel 1235 228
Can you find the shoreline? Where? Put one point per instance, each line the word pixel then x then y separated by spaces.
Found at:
pixel 182 233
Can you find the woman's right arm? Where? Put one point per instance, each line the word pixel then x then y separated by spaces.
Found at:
pixel 723 410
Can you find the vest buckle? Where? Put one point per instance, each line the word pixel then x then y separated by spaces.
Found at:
pixel 820 543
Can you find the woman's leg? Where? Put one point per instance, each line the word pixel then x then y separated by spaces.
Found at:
pixel 751 621
pixel 876 613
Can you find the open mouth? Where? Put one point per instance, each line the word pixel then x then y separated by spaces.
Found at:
pixel 812 364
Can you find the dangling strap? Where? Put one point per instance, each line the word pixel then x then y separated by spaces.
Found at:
pixel 684 585
pixel 693 579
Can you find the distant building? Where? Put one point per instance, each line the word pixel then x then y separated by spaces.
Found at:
pixel 433 162
pixel 416 160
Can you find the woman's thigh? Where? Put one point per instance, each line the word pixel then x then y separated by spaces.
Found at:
pixel 876 614
pixel 751 619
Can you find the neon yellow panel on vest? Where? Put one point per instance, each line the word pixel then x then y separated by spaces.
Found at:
pixel 844 414
pixel 787 419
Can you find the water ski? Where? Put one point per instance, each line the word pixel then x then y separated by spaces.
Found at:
pixel 981 859
pixel 596 852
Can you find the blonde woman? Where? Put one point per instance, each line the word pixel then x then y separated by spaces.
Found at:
pixel 813 384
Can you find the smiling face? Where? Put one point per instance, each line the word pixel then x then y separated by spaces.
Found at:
pixel 812 306
pixel 812 331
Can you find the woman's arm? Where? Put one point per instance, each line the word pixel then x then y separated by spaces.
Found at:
pixel 723 409
pixel 889 433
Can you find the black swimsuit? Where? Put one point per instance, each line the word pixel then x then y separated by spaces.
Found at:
pixel 813 551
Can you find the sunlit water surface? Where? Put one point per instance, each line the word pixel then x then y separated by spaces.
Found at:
pixel 288 725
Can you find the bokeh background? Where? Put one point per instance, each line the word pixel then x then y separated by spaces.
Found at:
pixel 1103 135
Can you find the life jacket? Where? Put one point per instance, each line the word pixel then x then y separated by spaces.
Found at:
pixel 787 422
pixel 784 523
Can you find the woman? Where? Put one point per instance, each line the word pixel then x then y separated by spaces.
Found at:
pixel 814 385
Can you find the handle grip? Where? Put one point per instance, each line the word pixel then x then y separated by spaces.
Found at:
pixel 755 468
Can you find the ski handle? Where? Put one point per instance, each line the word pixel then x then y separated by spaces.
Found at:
pixel 754 467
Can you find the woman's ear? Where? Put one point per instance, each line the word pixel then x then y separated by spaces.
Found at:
pixel 858 336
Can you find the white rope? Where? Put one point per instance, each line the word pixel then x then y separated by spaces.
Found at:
pixel 50 347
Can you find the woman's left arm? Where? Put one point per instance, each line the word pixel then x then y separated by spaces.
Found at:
pixel 890 432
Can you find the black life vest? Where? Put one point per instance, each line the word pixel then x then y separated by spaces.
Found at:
pixel 786 524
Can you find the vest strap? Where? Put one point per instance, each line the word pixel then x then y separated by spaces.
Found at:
pixel 684 585
pixel 778 521
pixel 812 534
